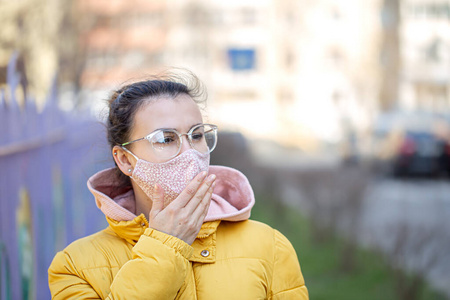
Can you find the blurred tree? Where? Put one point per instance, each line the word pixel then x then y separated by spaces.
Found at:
pixel 414 251
pixel 334 197
pixel 73 52
pixel 47 36
pixel 31 28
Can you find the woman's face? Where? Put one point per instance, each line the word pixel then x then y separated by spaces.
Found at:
pixel 181 114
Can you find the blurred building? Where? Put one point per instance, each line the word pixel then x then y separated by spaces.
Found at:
pixel 425 55
pixel 121 39
pixel 291 71
pixel 297 72
pixel 285 70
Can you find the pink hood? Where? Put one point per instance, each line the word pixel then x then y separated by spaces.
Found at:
pixel 232 200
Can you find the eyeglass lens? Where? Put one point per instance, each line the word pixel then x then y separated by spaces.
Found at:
pixel 166 143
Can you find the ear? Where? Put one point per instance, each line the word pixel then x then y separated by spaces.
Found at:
pixel 124 160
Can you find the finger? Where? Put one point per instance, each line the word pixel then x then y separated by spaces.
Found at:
pixel 189 192
pixel 202 209
pixel 203 206
pixel 208 202
pixel 200 194
pixel 157 199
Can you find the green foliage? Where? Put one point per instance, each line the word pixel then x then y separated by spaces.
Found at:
pixel 371 279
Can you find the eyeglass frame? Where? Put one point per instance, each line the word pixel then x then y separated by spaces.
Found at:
pixel 149 136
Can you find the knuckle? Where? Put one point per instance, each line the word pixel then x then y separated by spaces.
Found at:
pixel 188 226
pixel 169 210
pixel 199 198
pixel 191 224
pixel 190 191
pixel 208 184
pixel 183 217
pixel 204 203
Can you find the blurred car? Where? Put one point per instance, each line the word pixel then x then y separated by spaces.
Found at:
pixel 412 144
pixel 420 153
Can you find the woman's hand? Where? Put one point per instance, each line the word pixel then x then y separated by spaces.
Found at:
pixel 184 216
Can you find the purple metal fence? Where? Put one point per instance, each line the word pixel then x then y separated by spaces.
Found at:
pixel 45 160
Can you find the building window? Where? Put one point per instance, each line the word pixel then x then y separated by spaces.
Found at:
pixel 241 59
pixel 337 57
pixel 289 60
pixel 248 16
pixel 430 10
pixel 285 96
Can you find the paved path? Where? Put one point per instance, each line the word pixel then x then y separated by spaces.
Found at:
pixel 421 205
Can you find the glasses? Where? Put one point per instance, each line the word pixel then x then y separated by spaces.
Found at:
pixel 166 143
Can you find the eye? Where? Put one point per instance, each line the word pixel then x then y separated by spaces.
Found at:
pixel 197 136
pixel 164 138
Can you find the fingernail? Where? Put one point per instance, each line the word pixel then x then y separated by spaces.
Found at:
pixel 203 174
pixel 155 187
pixel 211 178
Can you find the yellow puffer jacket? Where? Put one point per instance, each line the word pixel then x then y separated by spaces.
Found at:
pixel 232 257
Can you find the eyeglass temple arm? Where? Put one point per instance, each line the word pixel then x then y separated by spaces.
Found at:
pixel 130 152
pixel 127 143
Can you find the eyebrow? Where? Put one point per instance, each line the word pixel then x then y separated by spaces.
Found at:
pixel 165 128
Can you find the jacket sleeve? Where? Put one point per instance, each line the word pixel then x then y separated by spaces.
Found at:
pixel 157 270
pixel 287 281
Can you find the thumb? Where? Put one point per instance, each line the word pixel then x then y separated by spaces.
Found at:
pixel 158 200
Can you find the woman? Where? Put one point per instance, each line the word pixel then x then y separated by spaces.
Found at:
pixel 178 228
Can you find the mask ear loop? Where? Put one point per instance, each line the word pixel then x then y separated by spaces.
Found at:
pixel 125 149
